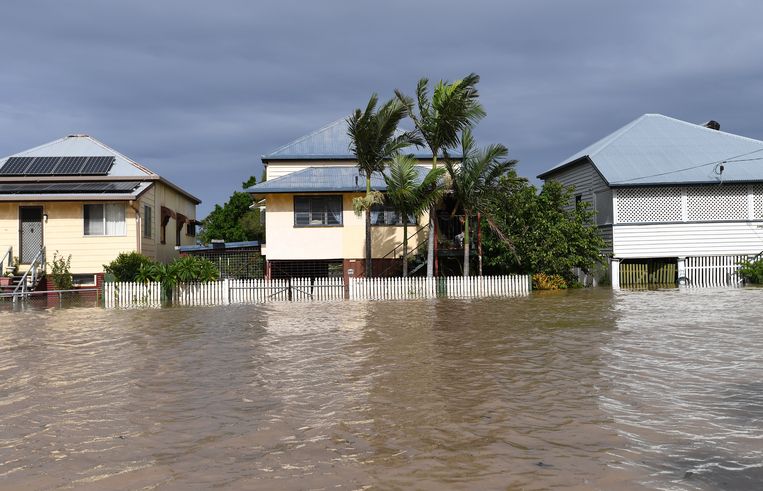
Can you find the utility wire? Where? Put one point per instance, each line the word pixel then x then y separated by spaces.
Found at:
pixel 715 163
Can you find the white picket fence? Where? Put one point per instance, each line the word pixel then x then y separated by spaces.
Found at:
pixel 258 291
pixel 713 271
pixel 131 295
pixel 448 287
pixel 225 292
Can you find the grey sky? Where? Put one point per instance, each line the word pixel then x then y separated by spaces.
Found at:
pixel 198 90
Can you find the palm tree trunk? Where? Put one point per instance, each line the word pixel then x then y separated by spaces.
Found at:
pixel 405 246
pixel 369 261
pixel 431 233
pixel 466 243
pixel 479 242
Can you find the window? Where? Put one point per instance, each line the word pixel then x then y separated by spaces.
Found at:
pixel 148 221
pixel 317 211
pixel 385 214
pixel 191 229
pixel 603 207
pixel 105 219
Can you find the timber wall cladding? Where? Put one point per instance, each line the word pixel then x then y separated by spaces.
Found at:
pixel 723 202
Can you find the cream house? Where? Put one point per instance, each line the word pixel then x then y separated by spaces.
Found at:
pixel 78 196
pixel 311 227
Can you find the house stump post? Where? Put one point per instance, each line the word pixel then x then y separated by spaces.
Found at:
pixel 614 266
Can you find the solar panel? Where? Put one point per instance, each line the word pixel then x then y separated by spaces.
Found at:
pixel 97 165
pixel 42 165
pixel 57 166
pixel 69 187
pixel 70 166
pixel 16 165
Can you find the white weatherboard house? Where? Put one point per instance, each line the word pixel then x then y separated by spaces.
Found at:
pixel 681 193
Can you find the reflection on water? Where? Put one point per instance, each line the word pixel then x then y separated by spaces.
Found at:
pixel 583 389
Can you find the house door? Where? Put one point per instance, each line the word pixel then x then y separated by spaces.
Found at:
pixel 30 233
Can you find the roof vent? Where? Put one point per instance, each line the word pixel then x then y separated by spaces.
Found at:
pixel 713 125
pixel 78 135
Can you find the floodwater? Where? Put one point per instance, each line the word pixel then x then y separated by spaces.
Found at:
pixel 585 389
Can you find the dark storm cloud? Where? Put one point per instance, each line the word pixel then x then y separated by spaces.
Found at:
pixel 199 90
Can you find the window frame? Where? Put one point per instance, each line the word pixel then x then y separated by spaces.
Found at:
pixel 103 208
pixel 386 206
pixel 326 197
pixel 148 221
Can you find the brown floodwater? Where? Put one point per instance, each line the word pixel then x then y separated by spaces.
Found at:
pixel 585 389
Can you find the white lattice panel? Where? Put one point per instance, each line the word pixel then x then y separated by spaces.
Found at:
pixel 711 203
pixel 649 205
pixel 758 200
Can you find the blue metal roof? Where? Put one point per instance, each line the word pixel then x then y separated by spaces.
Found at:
pixel 219 246
pixel 325 180
pixel 659 150
pixel 329 143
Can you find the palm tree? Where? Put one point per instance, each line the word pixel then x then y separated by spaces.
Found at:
pixel 410 197
pixel 374 139
pixel 474 179
pixel 452 108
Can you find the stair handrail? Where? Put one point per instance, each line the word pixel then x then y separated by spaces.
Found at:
pixel 37 262
pixel 411 252
pixel 9 255
pixel 423 227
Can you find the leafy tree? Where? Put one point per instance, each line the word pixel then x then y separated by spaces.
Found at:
pixel 439 120
pixel 410 197
pixel 234 221
pixel 548 233
pixel 374 140
pixel 474 181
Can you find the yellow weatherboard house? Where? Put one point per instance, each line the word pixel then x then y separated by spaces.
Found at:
pixel 311 228
pixel 78 196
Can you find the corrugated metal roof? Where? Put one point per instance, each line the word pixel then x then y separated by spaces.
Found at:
pixel 219 246
pixel 329 143
pixel 325 180
pixel 85 146
pixel 657 150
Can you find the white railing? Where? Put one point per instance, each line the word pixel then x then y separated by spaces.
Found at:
pixel 227 292
pixel 448 287
pixel 713 271
pixel 8 256
pixel 29 279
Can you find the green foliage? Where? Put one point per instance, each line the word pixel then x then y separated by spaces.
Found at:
pixel 234 221
pixel 543 281
pixel 60 272
pixel 362 204
pixel 249 182
pixel 126 266
pixel 186 269
pixel 752 271
pixel 548 233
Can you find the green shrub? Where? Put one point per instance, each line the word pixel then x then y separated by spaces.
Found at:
pixel 60 272
pixel 126 266
pixel 185 269
pixel 543 281
pixel 752 271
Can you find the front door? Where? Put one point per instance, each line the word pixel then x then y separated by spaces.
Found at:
pixel 30 233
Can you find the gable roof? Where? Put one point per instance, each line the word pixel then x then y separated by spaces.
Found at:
pixel 330 142
pixel 659 150
pixel 325 180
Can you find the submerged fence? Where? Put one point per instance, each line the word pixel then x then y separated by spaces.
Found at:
pixel 225 292
pixel 713 271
